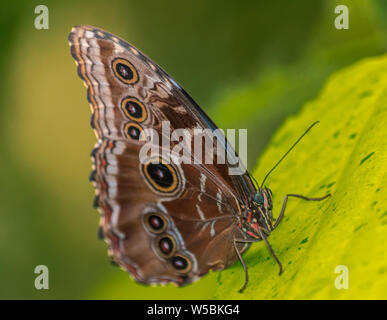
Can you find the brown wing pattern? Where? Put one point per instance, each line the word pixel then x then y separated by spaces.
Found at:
pixel 163 222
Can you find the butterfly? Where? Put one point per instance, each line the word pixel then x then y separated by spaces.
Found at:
pixel 162 221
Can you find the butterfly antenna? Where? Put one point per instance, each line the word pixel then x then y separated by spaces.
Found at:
pixel 283 157
pixel 256 182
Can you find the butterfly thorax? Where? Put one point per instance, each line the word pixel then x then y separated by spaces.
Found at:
pixel 257 217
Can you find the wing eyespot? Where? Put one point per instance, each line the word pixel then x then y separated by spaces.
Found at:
pixel 132 131
pixel 160 175
pixel 181 263
pixel 165 246
pixel 155 222
pixel 134 109
pixel 124 71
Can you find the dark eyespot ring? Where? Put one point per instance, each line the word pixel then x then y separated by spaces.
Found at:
pixel 134 109
pixel 181 263
pixel 155 222
pixel 161 175
pixel 166 245
pixel 124 71
pixel 132 131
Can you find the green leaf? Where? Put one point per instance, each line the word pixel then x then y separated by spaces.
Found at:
pixel 344 155
pixel 280 89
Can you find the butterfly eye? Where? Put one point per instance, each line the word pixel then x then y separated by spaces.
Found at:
pixel 155 222
pixel 258 198
pixel 124 71
pixel 181 263
pixel 132 131
pixel 166 246
pixel 134 109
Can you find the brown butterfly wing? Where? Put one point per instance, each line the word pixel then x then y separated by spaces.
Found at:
pixel 159 230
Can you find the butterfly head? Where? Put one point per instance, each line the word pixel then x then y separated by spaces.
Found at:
pixel 263 203
pixel 259 216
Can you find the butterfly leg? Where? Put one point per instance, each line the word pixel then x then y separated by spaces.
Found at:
pixel 242 261
pixel 271 250
pixel 296 196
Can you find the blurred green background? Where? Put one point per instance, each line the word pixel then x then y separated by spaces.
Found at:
pixel 226 54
